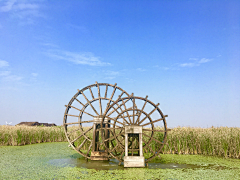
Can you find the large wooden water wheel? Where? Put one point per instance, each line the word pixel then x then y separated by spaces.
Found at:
pixel 128 113
pixel 83 116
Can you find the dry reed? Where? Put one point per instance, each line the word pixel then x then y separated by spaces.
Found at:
pixel 215 141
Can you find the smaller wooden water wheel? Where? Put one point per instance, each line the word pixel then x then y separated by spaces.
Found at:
pixel 128 113
pixel 83 116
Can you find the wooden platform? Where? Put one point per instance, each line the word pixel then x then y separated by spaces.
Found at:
pixel 99 155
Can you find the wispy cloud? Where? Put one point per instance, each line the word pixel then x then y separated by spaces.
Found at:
pixel 8 5
pixel 192 62
pixel 3 63
pixel 6 75
pixel 141 69
pixel 22 10
pixel 111 74
pixel 86 58
pixel 12 78
pixel 195 62
pixel 188 64
pixel 34 74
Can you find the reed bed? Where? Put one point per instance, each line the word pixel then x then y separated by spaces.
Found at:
pixel 23 135
pixel 214 141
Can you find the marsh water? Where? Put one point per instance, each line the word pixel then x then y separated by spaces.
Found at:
pixel 111 164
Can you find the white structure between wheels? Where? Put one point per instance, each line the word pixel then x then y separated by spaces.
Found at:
pixel 134 161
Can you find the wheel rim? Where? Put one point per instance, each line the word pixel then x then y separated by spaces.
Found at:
pixel 88 103
pixel 148 116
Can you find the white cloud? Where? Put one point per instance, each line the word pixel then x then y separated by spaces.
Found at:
pixel 188 65
pixel 141 69
pixel 194 59
pixel 166 68
pixel 12 78
pixel 111 74
pixel 8 6
pixel 196 62
pixel 3 63
pixel 22 10
pixel 23 6
pixel 193 62
pixel 34 74
pixel 86 58
pixel 14 5
pixel 5 73
pixel 204 60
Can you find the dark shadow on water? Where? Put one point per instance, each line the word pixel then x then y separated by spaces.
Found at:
pixel 112 164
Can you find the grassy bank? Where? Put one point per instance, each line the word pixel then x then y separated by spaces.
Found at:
pixel 32 162
pixel 214 141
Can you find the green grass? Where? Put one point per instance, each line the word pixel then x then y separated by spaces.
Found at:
pixel 31 162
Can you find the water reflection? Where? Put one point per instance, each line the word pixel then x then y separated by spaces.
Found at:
pixel 111 164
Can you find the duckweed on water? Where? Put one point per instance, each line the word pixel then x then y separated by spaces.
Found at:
pixel 32 162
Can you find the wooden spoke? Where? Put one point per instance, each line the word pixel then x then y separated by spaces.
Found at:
pixel 89 103
pixel 72 131
pixel 72 107
pixel 82 111
pixel 71 115
pixel 117 108
pixel 114 137
pixel 144 129
pixel 66 124
pixel 87 121
pixel 119 144
pixel 109 101
pixel 99 99
pixel 109 128
pixel 127 112
pixel 152 122
pixel 114 125
pixel 149 114
pixel 119 122
pixel 106 91
pixel 81 145
pixel 80 102
pixel 83 133
pixel 132 143
pixel 152 138
pixel 114 149
pixel 115 87
pixel 147 144
pixel 78 122
pixel 91 92
pixel 120 115
pixel 134 110
pixel 89 148
pixel 142 110
pixel 88 113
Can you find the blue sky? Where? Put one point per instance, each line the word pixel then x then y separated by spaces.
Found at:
pixel 184 55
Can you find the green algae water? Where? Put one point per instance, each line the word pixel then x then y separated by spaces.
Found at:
pixel 112 164
pixel 58 161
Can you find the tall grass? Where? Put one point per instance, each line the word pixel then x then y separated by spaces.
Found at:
pixel 22 135
pixel 215 141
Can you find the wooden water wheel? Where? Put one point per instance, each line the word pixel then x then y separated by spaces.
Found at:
pixel 83 116
pixel 128 112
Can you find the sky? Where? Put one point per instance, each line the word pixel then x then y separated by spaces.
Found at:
pixel 184 55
